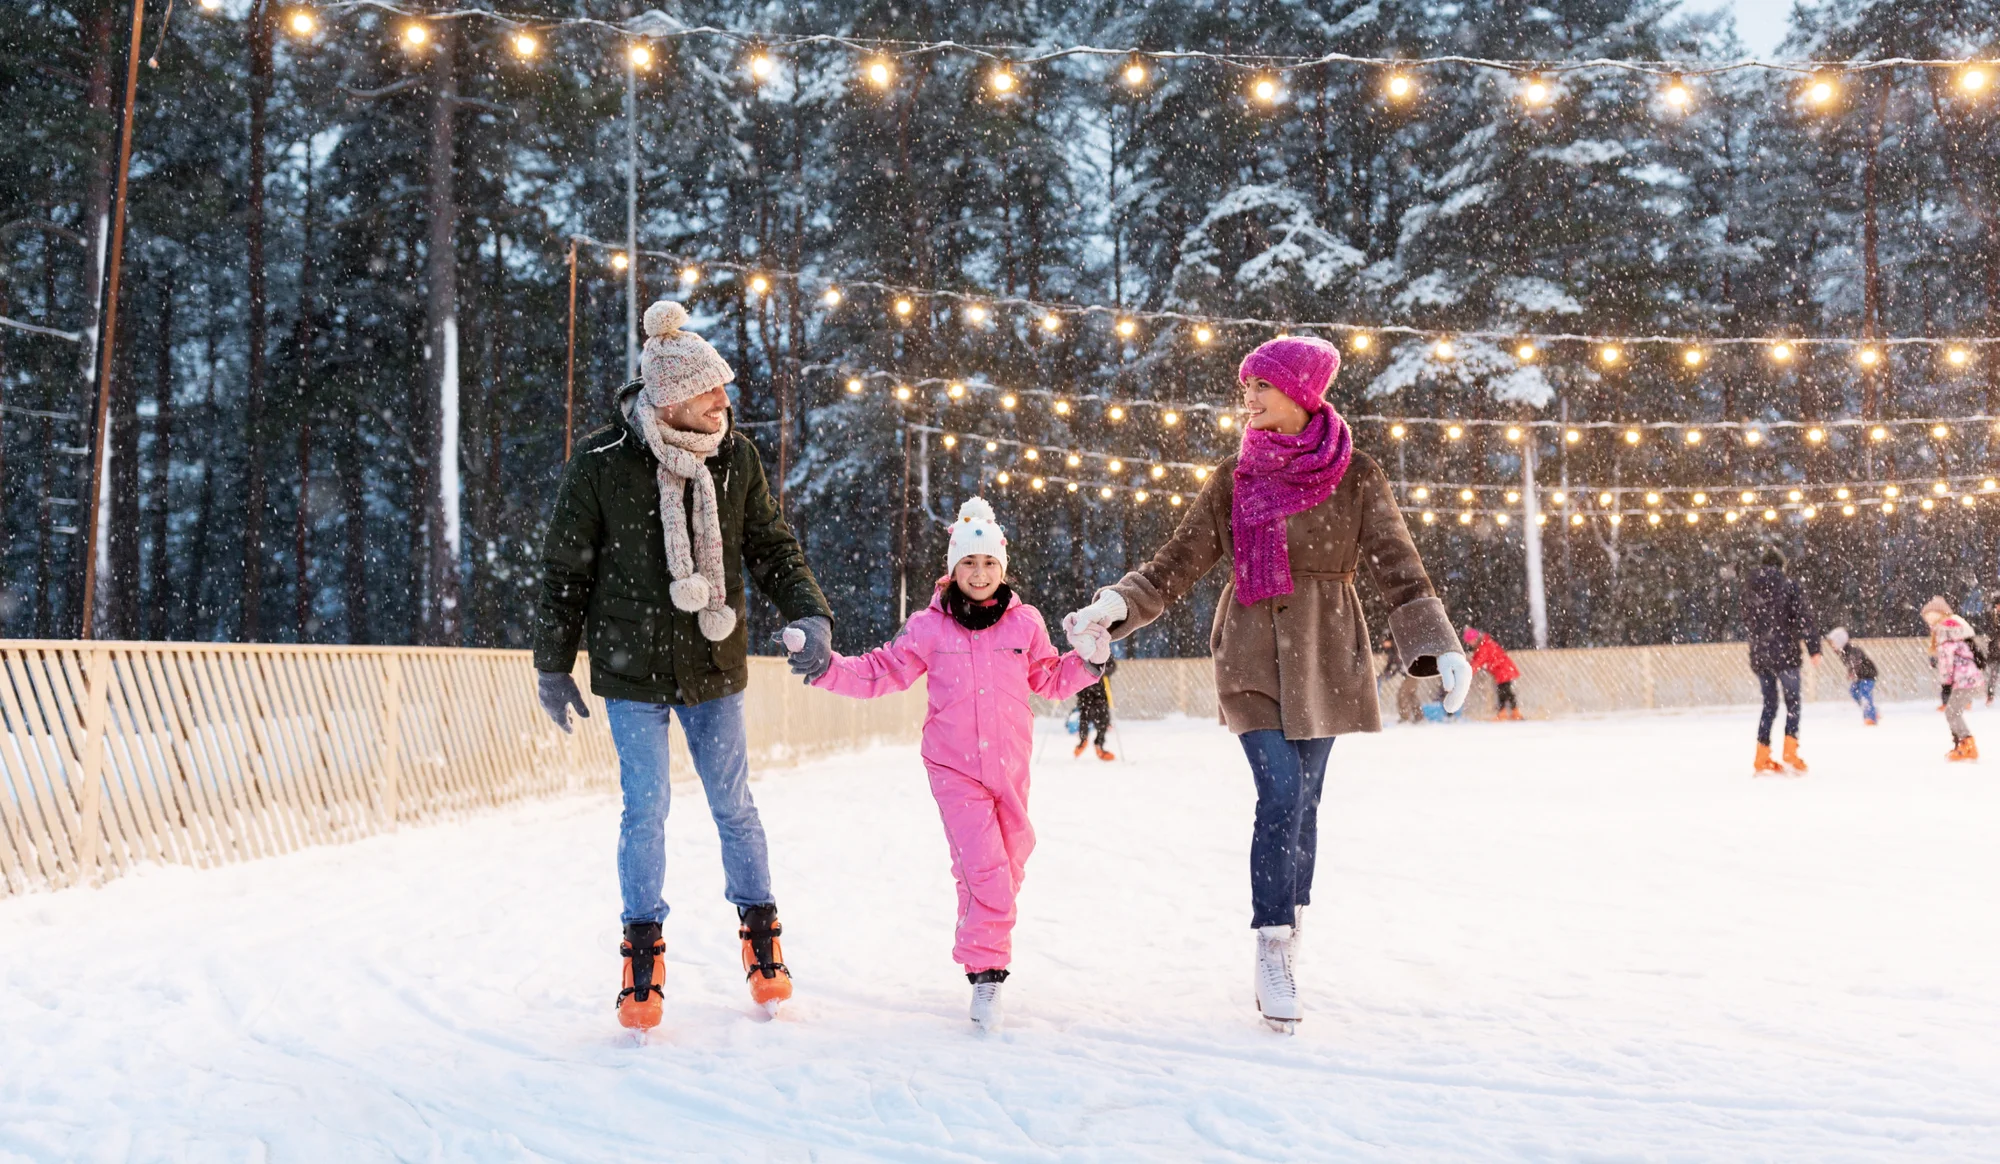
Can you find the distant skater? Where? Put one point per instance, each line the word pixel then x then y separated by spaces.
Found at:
pixel 1491 657
pixel 1861 672
pixel 1093 710
pixel 1961 677
pixel 1776 619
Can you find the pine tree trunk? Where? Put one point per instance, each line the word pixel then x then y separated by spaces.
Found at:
pixel 354 523
pixel 97 219
pixel 441 339
pixel 250 624
pixel 117 609
pixel 196 586
pixel 160 586
pixel 303 337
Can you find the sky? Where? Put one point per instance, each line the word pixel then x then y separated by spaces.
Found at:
pixel 1761 23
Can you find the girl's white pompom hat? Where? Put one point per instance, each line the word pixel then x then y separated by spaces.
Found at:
pixel 975 532
pixel 677 364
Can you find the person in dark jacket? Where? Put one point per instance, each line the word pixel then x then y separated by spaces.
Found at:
pixel 1861 672
pixel 656 519
pixel 1776 619
pixel 1093 709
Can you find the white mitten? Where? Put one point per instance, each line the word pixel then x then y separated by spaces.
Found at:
pixel 794 639
pixel 1109 608
pixel 1092 642
pixel 1456 675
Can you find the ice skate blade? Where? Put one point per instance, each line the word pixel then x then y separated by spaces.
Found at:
pixel 1282 1026
pixel 770 1009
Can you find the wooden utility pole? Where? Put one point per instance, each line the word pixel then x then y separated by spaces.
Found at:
pixel 95 544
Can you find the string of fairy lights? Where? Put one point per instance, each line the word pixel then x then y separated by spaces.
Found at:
pixel 1610 354
pixel 1537 84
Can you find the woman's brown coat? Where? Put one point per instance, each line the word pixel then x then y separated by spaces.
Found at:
pixel 1301 661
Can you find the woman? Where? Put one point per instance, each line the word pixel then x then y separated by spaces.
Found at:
pixel 1295 513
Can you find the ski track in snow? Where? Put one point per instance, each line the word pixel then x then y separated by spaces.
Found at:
pixel 1593 940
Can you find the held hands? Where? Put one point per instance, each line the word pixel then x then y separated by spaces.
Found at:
pixel 809 645
pixel 558 694
pixel 1456 675
pixel 1089 630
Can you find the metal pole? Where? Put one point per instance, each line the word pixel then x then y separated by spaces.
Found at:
pixel 569 391
pixel 631 218
pixel 1531 530
pixel 99 474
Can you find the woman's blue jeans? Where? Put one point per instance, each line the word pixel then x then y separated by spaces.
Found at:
pixel 714 733
pixel 1285 839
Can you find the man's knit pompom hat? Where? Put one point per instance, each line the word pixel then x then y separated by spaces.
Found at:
pixel 1300 366
pixel 975 532
pixel 677 364
pixel 1938 606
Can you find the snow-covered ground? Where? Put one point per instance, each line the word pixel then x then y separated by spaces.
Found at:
pixel 1581 940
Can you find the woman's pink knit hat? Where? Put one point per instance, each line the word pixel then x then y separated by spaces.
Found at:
pixel 1300 366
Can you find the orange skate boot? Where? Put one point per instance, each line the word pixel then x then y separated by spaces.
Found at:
pixel 764 956
pixel 1765 765
pixel 1104 753
pixel 1792 759
pixel 645 954
pixel 1965 749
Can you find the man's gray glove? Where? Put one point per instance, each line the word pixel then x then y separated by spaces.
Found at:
pixel 557 691
pixel 809 645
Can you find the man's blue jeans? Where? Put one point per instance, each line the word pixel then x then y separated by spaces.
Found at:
pixel 1285 839
pixel 1863 691
pixel 1770 683
pixel 714 732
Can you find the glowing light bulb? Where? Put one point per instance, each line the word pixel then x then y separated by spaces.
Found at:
pixel 1753 437
pixel 1421 493
pixel 301 23
pixel 761 66
pixel 1746 497
pixel 1060 407
pixel 1573 436
pixel 1652 519
pixel 1526 353
pixel 1105 492
pixel 1135 74
pixel 1892 491
pixel 1604 498
pixel 1940 488
pixel 759 285
pixel 1400 86
pixel 1071 487
pixel 1869 357
pixel 1652 499
pixel 880 74
pixel 1678 95
pixel 1820 92
pixel 1888 507
pixel 1782 353
pixel 210 5
pixel 1115 412
pixel 831 297
pixel 1692 357
pixel 1175 500
pixel 1009 401
pixel 1201 473
pixel 1693 436
pixel 1958 357
pixel 1036 483
pixel 1631 436
pixel 1031 455
pixel 640 56
pixel 1003 477
pixel 1052 322
pixel 619 261
pixel 1701 499
pixel 1170 418
pixel 1847 511
pixel 1927 505
pixel 1770 515
pixel 950 442
pixel 525 46
pixel 1157 472
pixel 1816 435
pixel 1842 493
pixel 1974 79
pixel 955 390
pixel 1225 421
pixel 1500 519
pixel 1513 496
pixel 1610 354
pixel 903 392
pixel 1795 496
pixel 1940 431
pixel 1429 517
pixel 690 275
pixel 1360 341
pixel 975 314
pixel 1443 350
pixel 1878 433
pixel 1127 328
pixel 1397 431
pixel 1731 517
pixel 992 446
pixel 1576 519
pixel 1002 80
pixel 1535 93
pixel 415 35
pixel 1072 460
pixel 1453 432
pixel 1559 498
pixel 1140 495
pixel 1693 518
pixel 1265 90
pixel 1203 334
pixel 854 385
pixel 1114 465
pixel 1465 519
pixel 904 307
pixel 1513 433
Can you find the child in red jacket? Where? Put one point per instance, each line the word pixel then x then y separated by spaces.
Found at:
pixel 1488 656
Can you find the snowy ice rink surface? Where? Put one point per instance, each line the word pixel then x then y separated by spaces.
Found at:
pixel 1584 940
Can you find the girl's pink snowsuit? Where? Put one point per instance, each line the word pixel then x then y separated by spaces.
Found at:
pixel 978 737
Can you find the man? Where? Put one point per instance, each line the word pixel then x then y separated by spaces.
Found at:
pixel 656 519
pixel 1776 617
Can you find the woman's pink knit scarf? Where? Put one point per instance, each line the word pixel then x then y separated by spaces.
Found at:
pixel 1277 476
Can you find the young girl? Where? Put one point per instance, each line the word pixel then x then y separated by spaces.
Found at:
pixel 1958 673
pixel 985 651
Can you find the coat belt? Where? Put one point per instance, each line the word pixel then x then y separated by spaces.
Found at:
pixel 1323 575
